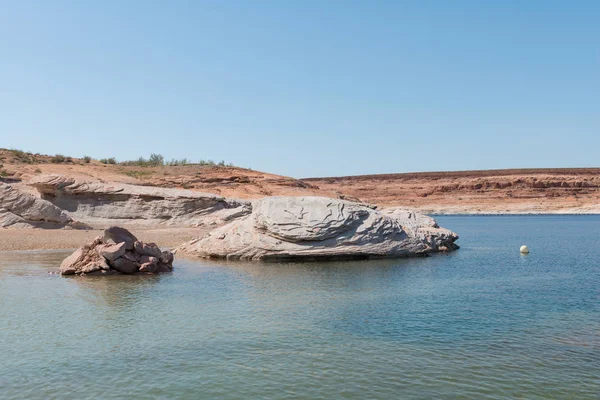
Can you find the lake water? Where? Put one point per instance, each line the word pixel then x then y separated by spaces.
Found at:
pixel 484 322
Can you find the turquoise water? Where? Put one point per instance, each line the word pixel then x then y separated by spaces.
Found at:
pixel 484 322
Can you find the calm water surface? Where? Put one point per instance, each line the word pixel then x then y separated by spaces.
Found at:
pixel 484 322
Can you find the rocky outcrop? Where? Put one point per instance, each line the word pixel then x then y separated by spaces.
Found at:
pixel 119 251
pixel 24 210
pixel 318 228
pixel 99 202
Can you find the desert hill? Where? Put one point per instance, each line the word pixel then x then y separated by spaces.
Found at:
pixel 494 191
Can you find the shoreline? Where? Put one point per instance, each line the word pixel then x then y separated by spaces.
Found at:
pixel 38 239
pixel 35 239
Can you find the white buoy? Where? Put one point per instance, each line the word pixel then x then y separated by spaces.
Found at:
pixel 524 249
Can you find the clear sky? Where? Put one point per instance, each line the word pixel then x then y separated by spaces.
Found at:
pixel 306 88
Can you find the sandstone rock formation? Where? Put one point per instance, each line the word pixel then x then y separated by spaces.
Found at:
pixel 109 203
pixel 318 228
pixel 118 251
pixel 23 210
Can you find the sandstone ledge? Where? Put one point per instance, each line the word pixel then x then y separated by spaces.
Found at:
pixel 97 202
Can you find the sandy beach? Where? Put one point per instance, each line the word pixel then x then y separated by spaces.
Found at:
pixel 43 239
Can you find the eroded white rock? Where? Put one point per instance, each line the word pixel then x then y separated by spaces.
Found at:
pixel 288 228
pixel 24 210
pixel 116 203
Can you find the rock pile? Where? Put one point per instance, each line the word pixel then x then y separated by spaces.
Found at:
pixel 319 228
pixel 119 251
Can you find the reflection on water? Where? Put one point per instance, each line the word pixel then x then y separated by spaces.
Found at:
pixel 484 322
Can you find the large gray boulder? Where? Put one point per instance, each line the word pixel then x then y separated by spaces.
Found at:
pixel 23 210
pixel 318 228
pixel 117 203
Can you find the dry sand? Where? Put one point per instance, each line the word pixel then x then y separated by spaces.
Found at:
pixel 45 239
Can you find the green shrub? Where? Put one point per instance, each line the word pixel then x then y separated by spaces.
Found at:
pixel 57 159
pixel 156 160
pixel 22 156
pixel 174 162
pixel 87 159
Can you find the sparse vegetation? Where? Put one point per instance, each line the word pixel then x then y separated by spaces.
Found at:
pixel 22 156
pixel 175 163
pixel 155 160
pixel 58 159
pixel 137 174
pixel 3 173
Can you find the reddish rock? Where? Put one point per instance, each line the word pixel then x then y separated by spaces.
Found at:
pixel 131 256
pixel 148 249
pixel 112 251
pixel 145 259
pixel 128 256
pixel 149 267
pixel 120 235
pixel 166 257
pixel 124 265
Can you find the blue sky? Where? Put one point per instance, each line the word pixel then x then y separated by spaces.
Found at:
pixel 306 88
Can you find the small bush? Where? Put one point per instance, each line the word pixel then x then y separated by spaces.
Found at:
pixel 111 160
pixel 87 159
pixel 38 171
pixel 222 163
pixel 156 159
pixel 4 173
pixel 57 159
pixel 174 162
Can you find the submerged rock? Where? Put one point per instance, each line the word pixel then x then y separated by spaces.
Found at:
pixel 116 252
pixel 307 228
pixel 100 202
pixel 23 210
